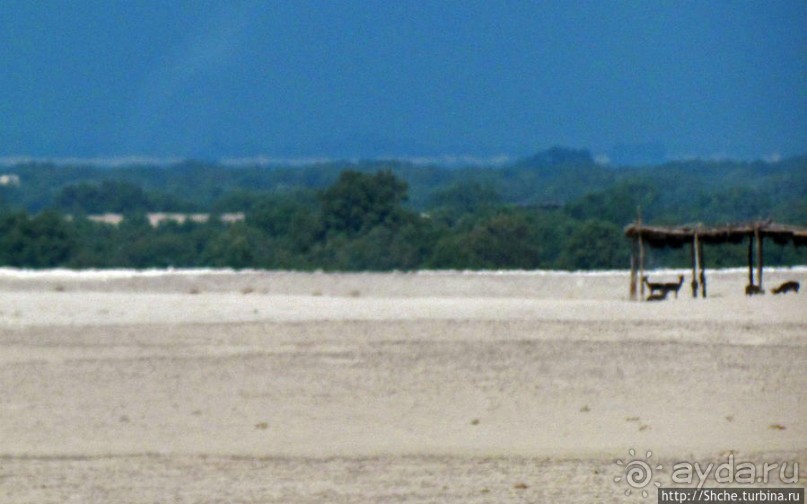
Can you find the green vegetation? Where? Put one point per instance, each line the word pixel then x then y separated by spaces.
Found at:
pixel 556 210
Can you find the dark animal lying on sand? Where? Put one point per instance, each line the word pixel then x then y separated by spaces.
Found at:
pixel 786 287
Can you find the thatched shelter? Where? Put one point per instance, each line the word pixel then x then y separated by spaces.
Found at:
pixel 696 235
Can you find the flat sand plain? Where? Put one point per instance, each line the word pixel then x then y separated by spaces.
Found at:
pixel 500 387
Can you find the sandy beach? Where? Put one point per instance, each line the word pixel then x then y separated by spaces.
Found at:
pixel 219 386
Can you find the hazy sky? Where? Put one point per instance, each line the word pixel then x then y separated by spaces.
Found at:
pixel 339 78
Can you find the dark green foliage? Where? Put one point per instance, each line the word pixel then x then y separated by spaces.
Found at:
pixel 618 204
pixel 464 198
pixel 43 241
pixel 239 246
pixel 358 202
pixel 502 241
pixel 557 210
pixel 114 196
pixel 736 204
pixel 380 249
pixel 595 245
pixel 557 176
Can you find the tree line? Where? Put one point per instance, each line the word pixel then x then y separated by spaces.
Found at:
pixel 365 220
pixel 557 176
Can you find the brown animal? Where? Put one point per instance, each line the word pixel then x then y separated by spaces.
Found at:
pixel 753 290
pixel 660 296
pixel 786 287
pixel 664 287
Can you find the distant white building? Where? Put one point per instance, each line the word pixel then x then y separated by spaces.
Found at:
pixel 9 179
pixel 107 218
pixel 157 218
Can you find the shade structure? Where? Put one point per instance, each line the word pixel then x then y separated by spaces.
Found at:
pixel 698 235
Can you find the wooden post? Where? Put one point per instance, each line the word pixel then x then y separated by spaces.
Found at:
pixel 641 265
pixel 633 269
pixel 702 267
pixel 758 237
pixel 751 260
pixel 641 251
pixel 694 259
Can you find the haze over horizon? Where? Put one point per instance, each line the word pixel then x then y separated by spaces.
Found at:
pixel 355 79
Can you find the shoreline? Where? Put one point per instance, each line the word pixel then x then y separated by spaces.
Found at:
pixel 117 273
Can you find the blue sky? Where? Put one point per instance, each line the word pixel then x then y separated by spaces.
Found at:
pixel 414 78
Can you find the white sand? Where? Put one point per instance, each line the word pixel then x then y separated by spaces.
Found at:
pixel 430 387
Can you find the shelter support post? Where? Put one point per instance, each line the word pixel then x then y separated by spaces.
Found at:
pixel 641 266
pixel 633 270
pixel 751 260
pixel 758 237
pixel 693 255
pixel 702 266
